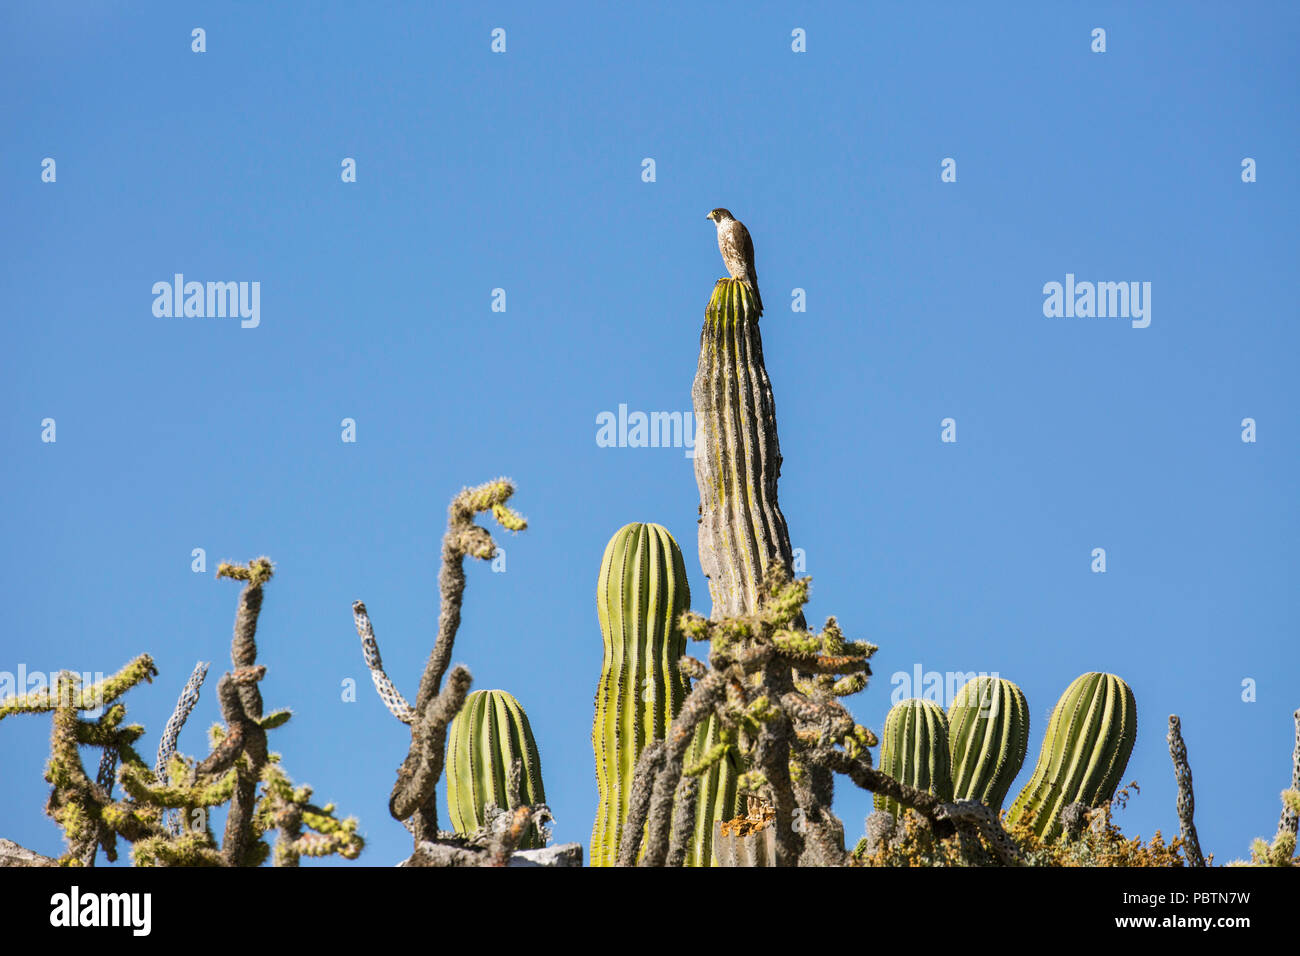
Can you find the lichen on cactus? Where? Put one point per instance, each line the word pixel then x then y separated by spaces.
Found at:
pixel 988 736
pixel 1085 750
pixel 914 751
pixel 489 734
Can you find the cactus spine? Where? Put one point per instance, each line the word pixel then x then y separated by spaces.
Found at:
pixel 1085 751
pixel 914 750
pixel 488 734
pixel 988 735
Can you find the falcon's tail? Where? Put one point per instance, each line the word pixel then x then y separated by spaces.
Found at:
pixel 753 290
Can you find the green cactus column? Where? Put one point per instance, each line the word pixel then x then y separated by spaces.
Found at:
pixel 641 592
pixel 486 736
pixel 988 735
pixel 914 750
pixel 1085 751
pixel 737 456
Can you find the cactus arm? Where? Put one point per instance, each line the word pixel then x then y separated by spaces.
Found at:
pixel 418 776
pixel 463 538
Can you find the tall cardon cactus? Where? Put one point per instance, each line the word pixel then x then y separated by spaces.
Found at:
pixel 737 455
pixel 489 733
pixel 914 751
pixel 988 735
pixel 1085 751
pixel 640 594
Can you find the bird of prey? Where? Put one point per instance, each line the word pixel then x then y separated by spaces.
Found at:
pixel 737 251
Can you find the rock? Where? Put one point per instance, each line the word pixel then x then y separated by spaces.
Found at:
pixel 11 854
pixel 562 854
pixel 446 854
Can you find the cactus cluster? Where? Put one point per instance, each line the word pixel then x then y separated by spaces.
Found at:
pixel 676 740
pixel 165 811
pixel 974 752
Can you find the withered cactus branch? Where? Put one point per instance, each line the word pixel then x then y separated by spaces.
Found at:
pixel 387 690
pixel 1186 798
pixel 1287 823
pixel 171 733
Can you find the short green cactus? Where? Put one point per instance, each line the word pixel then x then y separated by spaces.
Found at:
pixel 1086 748
pixel 988 734
pixel 914 751
pixel 489 733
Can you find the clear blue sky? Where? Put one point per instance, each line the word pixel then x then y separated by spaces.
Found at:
pixel 522 171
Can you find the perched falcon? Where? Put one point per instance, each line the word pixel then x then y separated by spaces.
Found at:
pixel 737 251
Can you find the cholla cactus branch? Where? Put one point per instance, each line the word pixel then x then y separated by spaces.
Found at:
pixel 1286 824
pixel 243 645
pixel 288 810
pixel 684 806
pixel 413 800
pixel 1186 799
pixel 779 728
pixel 250 740
pixel 648 767
pixel 387 690
pixel 462 538
pixel 972 813
pixel 231 773
pixel 418 776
